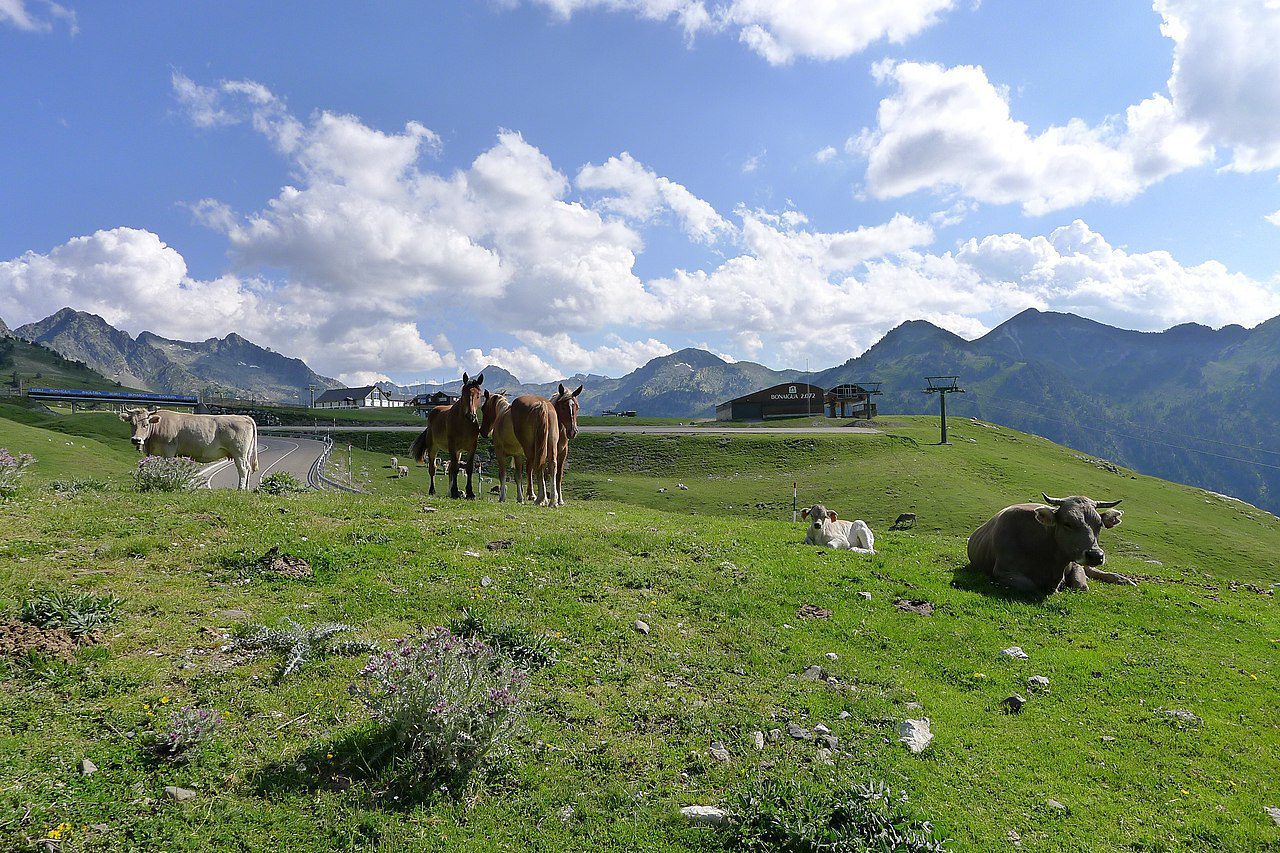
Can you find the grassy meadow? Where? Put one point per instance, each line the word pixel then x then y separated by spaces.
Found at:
pixel 618 731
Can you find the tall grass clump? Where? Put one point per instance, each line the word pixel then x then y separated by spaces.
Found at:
pixel 527 649
pixel 166 474
pixel 831 816
pixel 12 469
pixel 80 614
pixel 446 706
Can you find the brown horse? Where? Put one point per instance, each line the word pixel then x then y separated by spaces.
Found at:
pixel 566 406
pixel 524 431
pixel 454 429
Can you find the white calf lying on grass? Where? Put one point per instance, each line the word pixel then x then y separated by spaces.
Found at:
pixel 828 531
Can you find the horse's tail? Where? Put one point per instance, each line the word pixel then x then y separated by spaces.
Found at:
pixel 421 446
pixel 543 443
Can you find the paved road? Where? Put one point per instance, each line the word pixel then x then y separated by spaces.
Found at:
pixel 296 456
pixel 641 430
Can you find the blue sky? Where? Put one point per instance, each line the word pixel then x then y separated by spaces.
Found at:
pixel 579 185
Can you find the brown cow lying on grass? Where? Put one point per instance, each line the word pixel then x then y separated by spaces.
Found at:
pixel 1039 549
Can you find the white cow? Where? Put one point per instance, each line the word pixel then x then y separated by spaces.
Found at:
pixel 402 471
pixel 204 438
pixel 828 531
pixel 395 464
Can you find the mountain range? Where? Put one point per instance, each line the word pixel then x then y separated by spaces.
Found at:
pixel 1191 404
pixel 230 366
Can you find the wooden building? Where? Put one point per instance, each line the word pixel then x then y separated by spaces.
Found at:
pixel 788 400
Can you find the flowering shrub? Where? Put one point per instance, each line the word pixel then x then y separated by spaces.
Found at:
pixel 186 729
pixel 160 474
pixel 446 702
pixel 11 471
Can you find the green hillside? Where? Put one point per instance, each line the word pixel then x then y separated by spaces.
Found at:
pixel 33 365
pixel 617 732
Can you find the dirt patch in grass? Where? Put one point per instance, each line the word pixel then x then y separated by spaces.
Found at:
pixel 18 639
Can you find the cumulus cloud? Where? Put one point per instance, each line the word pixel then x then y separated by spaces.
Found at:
pixel 1075 269
pixel 367 241
pixel 38 16
pixel 637 192
pixel 615 358
pixel 782 31
pixel 1226 74
pixel 136 282
pixel 951 129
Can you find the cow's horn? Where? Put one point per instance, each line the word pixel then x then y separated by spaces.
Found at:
pixel 1051 501
pixel 1106 504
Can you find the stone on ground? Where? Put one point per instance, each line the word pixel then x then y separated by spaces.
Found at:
pixel 915 734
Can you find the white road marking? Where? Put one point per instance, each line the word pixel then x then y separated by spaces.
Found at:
pixel 264 471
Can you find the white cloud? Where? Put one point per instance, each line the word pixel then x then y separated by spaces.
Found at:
pixel 616 358
pixel 826 155
pixel 781 31
pixel 520 362
pixel 951 129
pixel 1075 269
pixel 38 16
pixel 1226 74
pixel 340 265
pixel 1273 218
pixel 642 195
pixel 753 163
pixel 361 378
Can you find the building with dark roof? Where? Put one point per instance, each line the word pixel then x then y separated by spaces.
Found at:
pixel 788 400
pixel 368 397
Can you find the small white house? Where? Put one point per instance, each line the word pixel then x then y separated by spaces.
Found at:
pixel 368 397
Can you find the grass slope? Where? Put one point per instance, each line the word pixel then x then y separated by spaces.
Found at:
pixel 34 365
pixel 619 728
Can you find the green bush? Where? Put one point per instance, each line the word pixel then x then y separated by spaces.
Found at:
pixel 789 815
pixel 76 486
pixel 79 614
pixel 281 483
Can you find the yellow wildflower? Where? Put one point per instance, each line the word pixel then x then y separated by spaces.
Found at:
pixel 164 700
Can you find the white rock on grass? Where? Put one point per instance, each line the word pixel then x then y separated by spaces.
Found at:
pixel 642 626
pixel 1016 653
pixel 832 656
pixel 757 740
pixel 705 815
pixel 866 596
pixel 718 752
pixel 1274 813
pixel 173 792
pixel 915 734
pixel 87 767
pixel 1038 682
